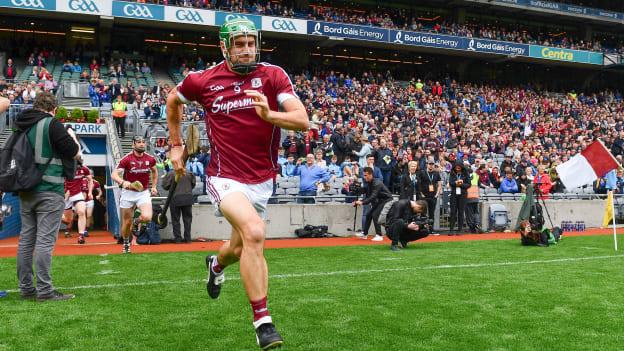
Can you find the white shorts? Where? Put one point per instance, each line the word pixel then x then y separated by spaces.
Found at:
pixel 258 194
pixel 131 198
pixel 89 204
pixel 71 202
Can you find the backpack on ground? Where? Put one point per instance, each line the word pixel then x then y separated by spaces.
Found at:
pixel 312 231
pixel 18 170
pixel 150 233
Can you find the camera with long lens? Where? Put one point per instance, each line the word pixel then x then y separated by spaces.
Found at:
pixel 423 222
pixel 356 188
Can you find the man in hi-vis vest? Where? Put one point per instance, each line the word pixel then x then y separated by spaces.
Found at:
pixel 42 207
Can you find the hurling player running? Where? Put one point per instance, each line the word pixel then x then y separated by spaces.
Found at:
pixel 137 167
pixel 242 97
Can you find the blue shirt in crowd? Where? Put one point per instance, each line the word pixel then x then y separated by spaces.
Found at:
pixel 309 176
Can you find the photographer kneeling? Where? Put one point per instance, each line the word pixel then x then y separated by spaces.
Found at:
pixel 405 221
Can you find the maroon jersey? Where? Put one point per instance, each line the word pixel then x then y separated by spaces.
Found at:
pixel 137 168
pixel 244 147
pixel 85 186
pixel 75 185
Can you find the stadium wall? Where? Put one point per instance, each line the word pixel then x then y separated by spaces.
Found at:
pixel 284 219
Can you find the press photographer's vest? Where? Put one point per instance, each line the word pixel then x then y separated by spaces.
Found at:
pixel 39 138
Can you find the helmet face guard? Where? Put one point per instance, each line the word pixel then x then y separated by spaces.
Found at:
pixel 234 29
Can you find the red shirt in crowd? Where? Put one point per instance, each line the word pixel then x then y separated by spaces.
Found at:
pixel 74 186
pixel 137 168
pixel 244 146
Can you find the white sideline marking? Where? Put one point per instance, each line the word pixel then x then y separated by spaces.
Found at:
pixel 348 272
pixel 107 271
pixel 104 262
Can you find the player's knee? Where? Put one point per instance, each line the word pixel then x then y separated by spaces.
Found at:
pixel 253 233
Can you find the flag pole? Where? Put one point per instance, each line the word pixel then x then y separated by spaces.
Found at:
pixel 613 212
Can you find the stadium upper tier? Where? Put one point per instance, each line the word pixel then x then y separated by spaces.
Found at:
pixel 420 20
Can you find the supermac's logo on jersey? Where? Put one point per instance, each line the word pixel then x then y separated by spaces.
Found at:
pixel 228 106
pixel 256 83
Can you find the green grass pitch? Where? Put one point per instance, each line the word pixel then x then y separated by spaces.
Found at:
pixel 477 295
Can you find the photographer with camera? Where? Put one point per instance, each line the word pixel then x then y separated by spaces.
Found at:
pixel 377 195
pixel 405 220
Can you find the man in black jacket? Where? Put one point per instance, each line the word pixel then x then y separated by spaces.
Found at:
pixel 399 222
pixel 459 181
pixel 431 186
pixel 181 203
pixel 377 195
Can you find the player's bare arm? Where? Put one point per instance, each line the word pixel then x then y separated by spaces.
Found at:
pixel 154 172
pixel 90 187
pixel 294 116
pixel 174 116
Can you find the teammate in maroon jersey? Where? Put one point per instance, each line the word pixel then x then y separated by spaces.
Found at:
pixel 96 194
pixel 75 200
pixel 137 167
pixel 242 98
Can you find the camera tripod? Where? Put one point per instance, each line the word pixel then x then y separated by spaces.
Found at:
pixel 538 193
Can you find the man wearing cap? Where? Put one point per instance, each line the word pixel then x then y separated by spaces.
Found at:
pixel 247 103
pixel 137 167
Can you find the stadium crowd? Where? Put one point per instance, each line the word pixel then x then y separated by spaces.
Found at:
pixel 450 122
pixel 411 20
pixel 410 121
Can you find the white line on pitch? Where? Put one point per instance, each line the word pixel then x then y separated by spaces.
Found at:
pixel 347 272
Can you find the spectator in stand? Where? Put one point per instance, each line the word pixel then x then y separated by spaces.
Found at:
pixel 542 180
pixel 288 169
pixel 311 176
pixel 305 145
pixel 290 143
pixel 508 184
pixel 145 68
pixel 338 141
pixel 68 67
pixel 151 111
pixel 385 161
pixel 114 89
pixel 334 168
pixel 9 71
pixel 77 68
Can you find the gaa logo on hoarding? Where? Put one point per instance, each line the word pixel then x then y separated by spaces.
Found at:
pixel 28 3
pixel 189 15
pixel 137 11
pixel 284 25
pixel 233 17
pixel 83 5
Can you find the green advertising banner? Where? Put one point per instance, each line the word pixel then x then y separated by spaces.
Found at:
pixel 567 55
